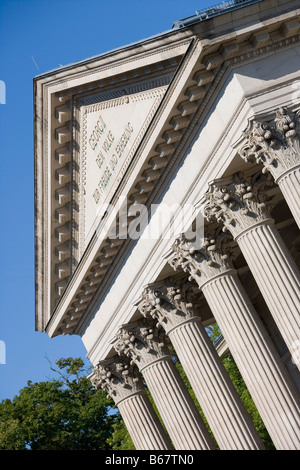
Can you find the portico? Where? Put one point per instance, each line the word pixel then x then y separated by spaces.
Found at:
pixel 192 135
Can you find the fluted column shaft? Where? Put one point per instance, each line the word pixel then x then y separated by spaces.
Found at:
pixel 143 424
pixel 259 363
pixel 276 275
pixel 289 183
pixel 124 385
pixel 242 205
pixel 215 392
pixel 174 403
pixel 145 346
pixel 174 305
pixel 264 373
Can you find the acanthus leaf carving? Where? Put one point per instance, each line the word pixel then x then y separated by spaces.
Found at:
pixel 274 143
pixel 170 302
pixel 239 203
pixel 118 377
pixel 202 264
pixel 142 342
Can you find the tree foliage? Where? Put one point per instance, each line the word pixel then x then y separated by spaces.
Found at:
pixel 120 438
pixel 65 414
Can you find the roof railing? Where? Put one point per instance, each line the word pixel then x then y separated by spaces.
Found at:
pixel 215 10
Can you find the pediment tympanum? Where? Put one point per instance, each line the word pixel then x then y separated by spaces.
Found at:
pixel 111 131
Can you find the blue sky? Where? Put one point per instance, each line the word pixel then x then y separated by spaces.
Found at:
pixel 37 36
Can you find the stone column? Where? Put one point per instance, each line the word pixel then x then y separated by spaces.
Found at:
pixel 257 359
pixel 276 145
pixel 241 204
pixel 173 303
pixel 124 385
pixel 145 345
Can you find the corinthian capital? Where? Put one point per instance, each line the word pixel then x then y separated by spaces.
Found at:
pixel 170 302
pixel 117 377
pixel 239 203
pixel 203 264
pixel 143 342
pixel 274 143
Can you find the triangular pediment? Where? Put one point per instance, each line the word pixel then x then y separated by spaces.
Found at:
pixel 117 125
pixel 94 125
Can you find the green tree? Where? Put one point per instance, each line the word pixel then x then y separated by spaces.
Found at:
pixel 213 331
pixel 69 414
pixel 120 438
pixel 64 414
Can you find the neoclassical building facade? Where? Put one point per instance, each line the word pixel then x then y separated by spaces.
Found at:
pixel 167 191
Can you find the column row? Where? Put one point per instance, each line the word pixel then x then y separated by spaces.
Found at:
pixel 240 207
pixel 265 375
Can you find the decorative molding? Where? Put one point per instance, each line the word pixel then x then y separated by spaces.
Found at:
pixel 70 194
pixel 129 76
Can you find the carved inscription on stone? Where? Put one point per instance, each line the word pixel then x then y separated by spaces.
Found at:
pixel 108 158
pixel 110 134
